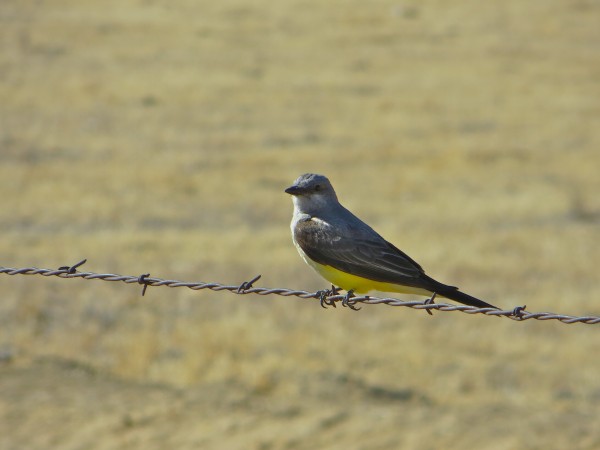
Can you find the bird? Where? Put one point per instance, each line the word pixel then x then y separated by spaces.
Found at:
pixel 350 254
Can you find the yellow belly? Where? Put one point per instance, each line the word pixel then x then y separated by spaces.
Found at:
pixel 362 285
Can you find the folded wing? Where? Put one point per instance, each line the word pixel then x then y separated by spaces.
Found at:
pixel 366 255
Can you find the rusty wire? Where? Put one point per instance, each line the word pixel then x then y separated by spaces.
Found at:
pixel 327 298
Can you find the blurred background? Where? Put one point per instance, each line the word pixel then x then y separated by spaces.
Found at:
pixel 158 136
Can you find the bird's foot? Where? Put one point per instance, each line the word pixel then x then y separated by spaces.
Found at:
pixel 347 301
pixel 430 301
pixel 324 294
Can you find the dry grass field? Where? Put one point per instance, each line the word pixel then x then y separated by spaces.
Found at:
pixel 156 136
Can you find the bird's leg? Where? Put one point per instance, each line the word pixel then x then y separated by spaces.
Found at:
pixel 323 294
pixel 350 303
pixel 430 301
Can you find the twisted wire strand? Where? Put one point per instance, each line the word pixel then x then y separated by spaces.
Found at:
pixel 517 314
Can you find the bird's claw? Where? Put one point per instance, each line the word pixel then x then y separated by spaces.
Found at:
pixel 323 295
pixel 325 301
pixel 348 302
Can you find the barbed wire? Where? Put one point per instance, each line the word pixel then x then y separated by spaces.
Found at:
pixel 327 297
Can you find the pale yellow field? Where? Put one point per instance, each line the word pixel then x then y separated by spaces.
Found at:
pixel 158 137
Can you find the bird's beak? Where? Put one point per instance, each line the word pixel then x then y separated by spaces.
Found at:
pixel 294 190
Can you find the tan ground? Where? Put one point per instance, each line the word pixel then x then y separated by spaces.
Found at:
pixel 156 136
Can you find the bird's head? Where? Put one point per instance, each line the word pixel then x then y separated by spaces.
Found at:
pixel 311 191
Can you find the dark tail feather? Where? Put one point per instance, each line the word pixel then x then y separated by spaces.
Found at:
pixel 454 294
pixel 451 292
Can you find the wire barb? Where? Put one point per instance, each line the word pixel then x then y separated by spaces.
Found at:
pixel 142 280
pixel 326 298
pixel 430 301
pixel 72 269
pixel 518 311
pixel 246 285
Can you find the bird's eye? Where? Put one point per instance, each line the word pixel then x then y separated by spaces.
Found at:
pixel 318 187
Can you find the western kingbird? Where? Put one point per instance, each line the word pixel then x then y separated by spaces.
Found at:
pixel 349 253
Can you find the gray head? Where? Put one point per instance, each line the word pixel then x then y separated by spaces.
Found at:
pixel 311 184
pixel 312 191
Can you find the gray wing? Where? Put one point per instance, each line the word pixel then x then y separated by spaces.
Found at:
pixel 361 251
pixel 358 252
